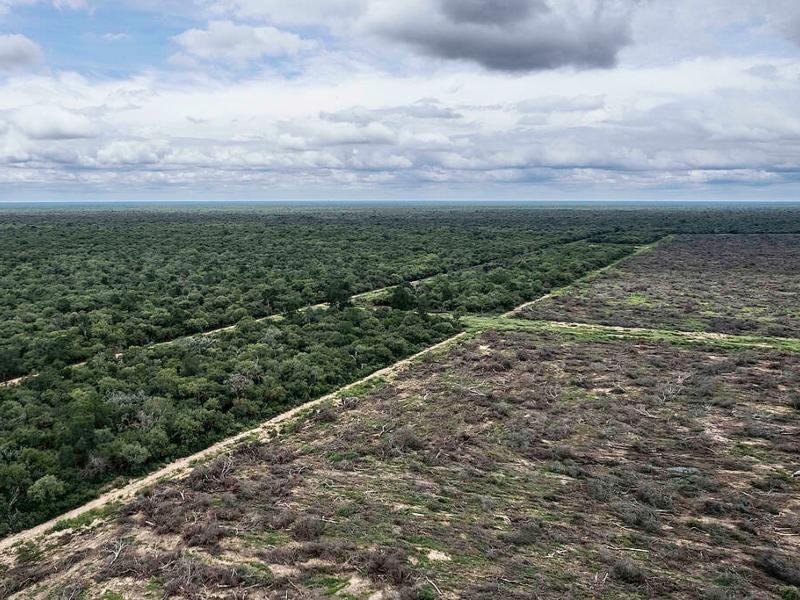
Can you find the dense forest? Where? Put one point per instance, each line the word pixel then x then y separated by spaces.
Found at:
pixel 82 284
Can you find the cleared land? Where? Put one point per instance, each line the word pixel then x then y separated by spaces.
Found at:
pixel 740 284
pixel 517 464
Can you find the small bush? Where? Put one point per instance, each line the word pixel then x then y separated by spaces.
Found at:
pixel 601 490
pixel 526 533
pixel 284 519
pixel 28 552
pixel 654 495
pixel 562 452
pixel 326 414
pixel 418 592
pixel 715 507
pixel 780 568
pixel 628 571
pixel 790 593
pixel 779 482
pixel 307 529
pixel 406 438
pixel 203 533
pixel 71 591
pixel 255 574
pixel 215 477
pixel 636 515
pixel 566 467
pixel 387 564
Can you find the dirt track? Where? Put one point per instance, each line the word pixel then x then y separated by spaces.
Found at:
pixel 587 277
pixel 184 465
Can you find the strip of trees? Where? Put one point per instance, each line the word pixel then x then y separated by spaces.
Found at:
pixel 506 284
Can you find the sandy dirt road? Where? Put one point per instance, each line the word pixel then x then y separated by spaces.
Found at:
pixel 183 466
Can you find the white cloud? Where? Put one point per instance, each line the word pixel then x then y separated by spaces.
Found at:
pixel 8 5
pixel 115 37
pixel 17 52
pixel 549 104
pixel 329 13
pixel 656 127
pixel 52 123
pixel 132 152
pixel 71 4
pixel 224 41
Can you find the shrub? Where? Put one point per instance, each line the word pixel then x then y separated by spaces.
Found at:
pixel 790 593
pixel 326 414
pixel 628 571
pixel 526 533
pixel 406 438
pixel 601 490
pixel 214 477
pixel 307 529
pixel 636 515
pixel 419 592
pixel 28 552
pixel 715 507
pixel 388 564
pixel 206 534
pixel 283 519
pixel 654 495
pixel 780 568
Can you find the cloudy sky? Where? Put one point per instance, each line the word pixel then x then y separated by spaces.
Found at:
pixel 479 99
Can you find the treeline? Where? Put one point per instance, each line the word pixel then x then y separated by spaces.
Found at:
pixel 64 434
pixel 505 284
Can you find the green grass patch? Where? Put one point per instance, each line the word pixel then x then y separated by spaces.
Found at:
pixel 637 299
pixel 87 518
pixel 359 390
pixel 266 539
pixel 593 332
pixel 328 584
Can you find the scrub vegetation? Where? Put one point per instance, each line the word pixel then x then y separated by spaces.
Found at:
pixel 504 284
pixel 77 282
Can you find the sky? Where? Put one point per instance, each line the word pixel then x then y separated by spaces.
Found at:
pixel 419 99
